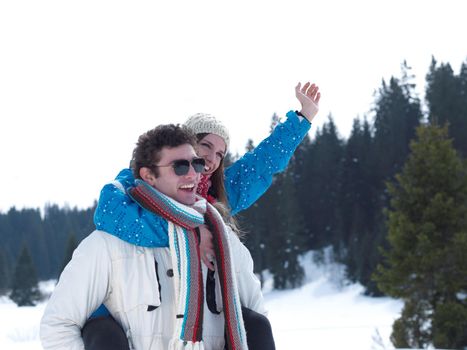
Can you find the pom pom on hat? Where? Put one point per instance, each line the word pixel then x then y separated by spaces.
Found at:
pixel 201 123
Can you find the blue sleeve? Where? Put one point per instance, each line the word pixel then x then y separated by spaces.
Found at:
pixel 101 311
pixel 118 215
pixel 249 177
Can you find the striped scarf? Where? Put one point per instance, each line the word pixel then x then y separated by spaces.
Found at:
pixel 188 276
pixel 203 188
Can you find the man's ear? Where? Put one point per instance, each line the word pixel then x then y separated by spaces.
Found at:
pixel 147 175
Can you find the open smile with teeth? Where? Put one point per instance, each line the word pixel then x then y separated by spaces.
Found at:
pixel 187 187
pixel 207 168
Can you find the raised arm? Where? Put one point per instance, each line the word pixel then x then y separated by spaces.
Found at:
pixel 249 177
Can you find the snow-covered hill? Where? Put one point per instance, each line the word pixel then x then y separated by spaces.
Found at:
pixel 324 313
pixel 328 314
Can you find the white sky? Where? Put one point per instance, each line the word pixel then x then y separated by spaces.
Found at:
pixel 81 80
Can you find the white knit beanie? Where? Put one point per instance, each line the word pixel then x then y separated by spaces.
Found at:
pixel 201 123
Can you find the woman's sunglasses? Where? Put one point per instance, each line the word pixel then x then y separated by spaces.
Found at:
pixel 182 166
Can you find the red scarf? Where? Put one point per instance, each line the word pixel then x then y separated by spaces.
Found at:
pixel 203 188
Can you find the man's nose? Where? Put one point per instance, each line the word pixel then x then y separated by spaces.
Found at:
pixel 191 172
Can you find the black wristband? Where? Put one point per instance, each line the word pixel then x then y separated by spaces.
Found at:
pixel 300 114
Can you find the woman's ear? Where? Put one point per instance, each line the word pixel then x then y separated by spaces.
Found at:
pixel 147 175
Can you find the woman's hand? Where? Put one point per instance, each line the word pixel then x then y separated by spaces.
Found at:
pixel 206 247
pixel 308 96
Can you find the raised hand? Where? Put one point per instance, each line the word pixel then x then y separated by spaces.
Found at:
pixel 308 96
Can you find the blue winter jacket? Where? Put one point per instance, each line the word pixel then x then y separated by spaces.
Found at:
pixel 245 181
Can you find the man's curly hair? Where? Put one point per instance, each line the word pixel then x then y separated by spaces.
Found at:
pixel 149 145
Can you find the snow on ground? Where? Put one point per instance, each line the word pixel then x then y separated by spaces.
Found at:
pixel 326 314
pixel 323 314
pixel 19 326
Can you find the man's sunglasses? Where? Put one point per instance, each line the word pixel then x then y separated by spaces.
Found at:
pixel 182 166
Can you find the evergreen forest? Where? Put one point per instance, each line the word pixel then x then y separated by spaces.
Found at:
pixel 391 201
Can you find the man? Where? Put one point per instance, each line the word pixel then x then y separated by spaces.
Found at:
pixel 161 296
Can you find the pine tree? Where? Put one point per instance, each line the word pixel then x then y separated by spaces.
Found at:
pixel 285 238
pixel 397 114
pixel 45 237
pixel 426 263
pixel 70 248
pixel 57 225
pixel 4 273
pixel 357 203
pixel 257 223
pixel 252 224
pixel 275 228
pixel 318 187
pixel 25 289
pixel 446 96
pixel 25 225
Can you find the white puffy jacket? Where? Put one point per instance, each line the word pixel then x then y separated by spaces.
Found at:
pixel 107 270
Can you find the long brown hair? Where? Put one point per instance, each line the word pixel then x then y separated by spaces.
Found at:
pixel 217 190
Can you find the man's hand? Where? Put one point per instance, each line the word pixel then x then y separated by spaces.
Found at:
pixel 308 96
pixel 206 247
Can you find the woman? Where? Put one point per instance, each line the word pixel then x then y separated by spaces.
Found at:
pixel 236 188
